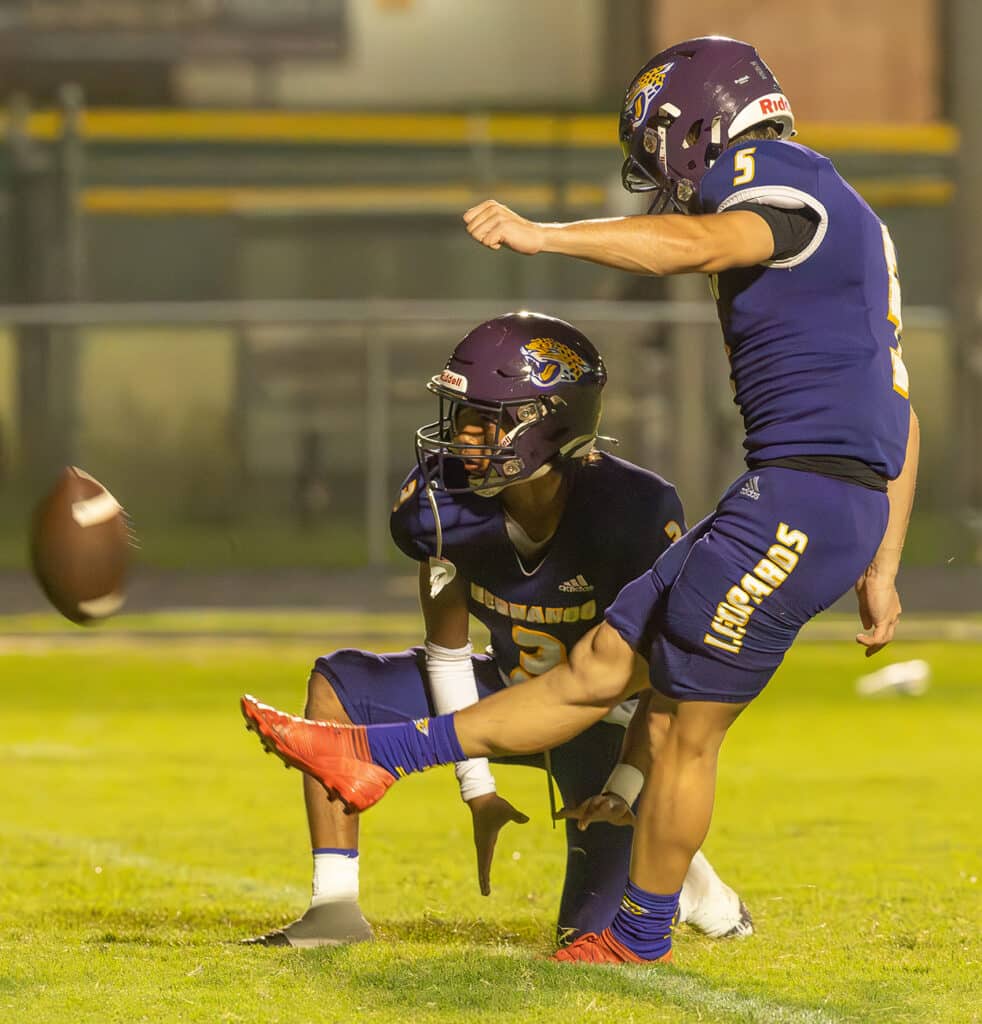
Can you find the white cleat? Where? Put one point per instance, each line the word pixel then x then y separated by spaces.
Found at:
pixel 710 906
pixel 906 678
pixel 721 915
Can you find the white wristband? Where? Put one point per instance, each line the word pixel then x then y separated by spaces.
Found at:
pixel 625 781
pixel 452 687
pixel 475 778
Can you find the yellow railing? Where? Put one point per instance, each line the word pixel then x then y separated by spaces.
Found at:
pixel 588 131
pixel 577 197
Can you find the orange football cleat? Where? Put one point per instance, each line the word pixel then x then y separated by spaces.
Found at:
pixel 592 948
pixel 337 756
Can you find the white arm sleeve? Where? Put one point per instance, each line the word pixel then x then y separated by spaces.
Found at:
pixel 452 686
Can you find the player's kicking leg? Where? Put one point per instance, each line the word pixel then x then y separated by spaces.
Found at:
pixel 357 765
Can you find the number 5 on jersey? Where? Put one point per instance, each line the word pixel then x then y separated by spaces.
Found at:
pixel 744 166
pixel 901 379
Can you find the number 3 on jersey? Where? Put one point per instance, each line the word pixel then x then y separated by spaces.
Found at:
pixel 901 379
pixel 539 653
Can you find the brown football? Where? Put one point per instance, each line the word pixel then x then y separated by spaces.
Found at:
pixel 80 547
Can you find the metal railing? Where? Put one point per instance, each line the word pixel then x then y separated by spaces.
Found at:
pixel 351 373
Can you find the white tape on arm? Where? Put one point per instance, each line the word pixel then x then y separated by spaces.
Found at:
pixel 625 781
pixel 452 687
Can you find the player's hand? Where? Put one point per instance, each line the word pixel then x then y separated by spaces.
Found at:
pixel 879 610
pixel 495 225
pixel 604 807
pixel 491 813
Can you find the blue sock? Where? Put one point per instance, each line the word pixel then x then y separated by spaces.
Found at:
pixel 644 921
pixel 412 746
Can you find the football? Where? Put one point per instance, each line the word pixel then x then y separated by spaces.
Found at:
pixel 80 547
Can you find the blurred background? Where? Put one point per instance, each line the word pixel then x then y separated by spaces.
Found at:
pixel 231 255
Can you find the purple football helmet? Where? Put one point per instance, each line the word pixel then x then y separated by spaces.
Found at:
pixel 683 108
pixel 536 380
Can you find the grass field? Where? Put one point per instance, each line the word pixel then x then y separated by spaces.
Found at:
pixel 143 833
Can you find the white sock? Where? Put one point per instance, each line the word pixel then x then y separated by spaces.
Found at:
pixel 699 879
pixel 335 877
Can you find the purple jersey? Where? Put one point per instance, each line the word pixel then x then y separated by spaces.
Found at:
pixel 813 340
pixel 618 519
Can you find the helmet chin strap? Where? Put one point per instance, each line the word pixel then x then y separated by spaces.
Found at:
pixel 579 446
pixel 494 489
pixel 575 449
pixel 442 571
pixel 508 441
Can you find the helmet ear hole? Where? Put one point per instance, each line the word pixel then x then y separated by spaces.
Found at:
pixel 692 135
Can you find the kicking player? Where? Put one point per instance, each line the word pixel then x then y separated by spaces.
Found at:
pixel 516 519
pixel 806 283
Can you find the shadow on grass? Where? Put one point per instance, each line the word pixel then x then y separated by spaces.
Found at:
pixel 471 968
pixel 503 982
pixel 162 927
pixel 98 926
pixel 523 933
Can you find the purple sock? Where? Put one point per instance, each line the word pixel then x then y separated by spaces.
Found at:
pixel 644 921
pixel 412 746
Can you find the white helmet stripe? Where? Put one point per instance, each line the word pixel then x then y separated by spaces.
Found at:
pixel 772 107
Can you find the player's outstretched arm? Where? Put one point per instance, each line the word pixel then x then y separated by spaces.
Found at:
pixel 452 687
pixel 879 602
pixel 644 245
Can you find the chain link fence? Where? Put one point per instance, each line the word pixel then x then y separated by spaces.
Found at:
pixel 276 433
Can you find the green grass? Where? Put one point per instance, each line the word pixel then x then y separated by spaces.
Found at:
pixel 143 834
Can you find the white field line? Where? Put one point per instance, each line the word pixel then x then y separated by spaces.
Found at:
pixel 105 854
pixel 41 644
pixel 691 991
pixel 142 640
pixel 687 990
pixel 824 631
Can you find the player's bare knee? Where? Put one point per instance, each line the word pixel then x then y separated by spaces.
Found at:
pixel 699 727
pixel 322 702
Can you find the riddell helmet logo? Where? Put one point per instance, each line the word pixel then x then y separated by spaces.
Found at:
pixel 775 104
pixel 455 381
pixel 643 90
pixel 551 362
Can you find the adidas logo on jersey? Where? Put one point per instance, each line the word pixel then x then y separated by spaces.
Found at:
pixel 751 489
pixel 577 585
